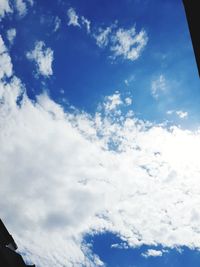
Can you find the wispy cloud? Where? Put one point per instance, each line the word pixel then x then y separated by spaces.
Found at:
pixel 152 253
pixel 73 17
pixel 4 8
pixel 129 80
pixel 180 113
pixel 158 86
pixel 57 24
pixel 102 37
pixel 85 22
pixel 112 102
pixel 122 245
pixel 125 43
pixel 128 43
pixel 43 57
pixel 6 67
pixel 11 34
pixel 21 7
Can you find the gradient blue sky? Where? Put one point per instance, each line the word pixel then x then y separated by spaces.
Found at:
pixel 159 86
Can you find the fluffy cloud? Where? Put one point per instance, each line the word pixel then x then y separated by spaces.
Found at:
pixel 43 58
pixel 125 43
pixel 112 102
pixel 4 8
pixel 73 17
pixel 180 113
pixel 158 86
pixel 11 34
pixel 21 7
pixel 152 253
pixel 67 174
pixel 128 43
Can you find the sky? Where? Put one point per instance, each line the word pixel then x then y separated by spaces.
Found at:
pixel 99 133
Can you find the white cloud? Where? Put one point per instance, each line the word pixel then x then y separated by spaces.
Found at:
pixel 43 58
pixel 122 42
pixel 182 114
pixel 102 38
pixel 73 17
pixel 66 174
pixel 112 102
pixel 5 61
pixel 158 86
pixel 4 8
pixel 57 24
pixel 125 43
pixel 21 7
pixel 122 245
pixel 152 253
pixel 128 101
pixel 86 23
pixel 11 34
pixel 169 112
pixel 128 43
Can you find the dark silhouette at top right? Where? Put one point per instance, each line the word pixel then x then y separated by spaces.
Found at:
pixel 192 10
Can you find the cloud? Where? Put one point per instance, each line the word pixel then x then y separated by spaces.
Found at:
pixel 128 43
pixel 74 20
pixel 125 43
pixel 129 80
pixel 122 245
pixel 128 101
pixel 112 102
pixel 158 86
pixel 86 23
pixel 73 17
pixel 21 7
pixel 57 24
pixel 102 38
pixel 4 8
pixel 180 113
pixel 152 253
pixel 5 61
pixel 11 34
pixel 67 174
pixel 43 58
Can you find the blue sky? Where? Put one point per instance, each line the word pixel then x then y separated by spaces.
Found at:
pixel 100 128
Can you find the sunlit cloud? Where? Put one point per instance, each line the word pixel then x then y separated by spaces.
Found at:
pixel 43 57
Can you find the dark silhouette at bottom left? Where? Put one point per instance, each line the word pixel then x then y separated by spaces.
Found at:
pixel 8 255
